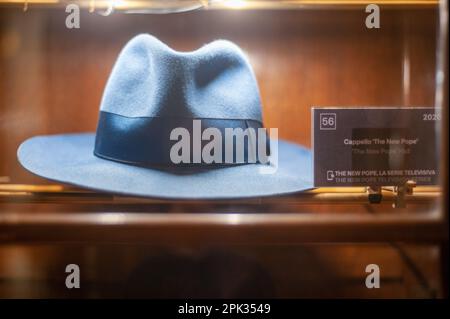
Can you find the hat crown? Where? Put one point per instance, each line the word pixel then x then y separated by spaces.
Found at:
pixel 150 79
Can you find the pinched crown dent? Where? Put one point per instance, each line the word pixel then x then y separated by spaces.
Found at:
pixel 150 79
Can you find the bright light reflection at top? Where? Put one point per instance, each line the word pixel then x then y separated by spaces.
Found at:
pixel 235 4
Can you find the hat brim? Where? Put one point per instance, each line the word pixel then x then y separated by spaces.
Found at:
pixel 69 159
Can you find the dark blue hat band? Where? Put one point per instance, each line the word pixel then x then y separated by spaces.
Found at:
pixel 145 141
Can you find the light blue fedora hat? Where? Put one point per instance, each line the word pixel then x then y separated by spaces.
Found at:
pixel 152 91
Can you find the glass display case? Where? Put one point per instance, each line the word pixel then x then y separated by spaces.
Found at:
pixel 288 234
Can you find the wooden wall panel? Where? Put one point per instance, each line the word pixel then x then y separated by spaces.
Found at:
pixel 294 271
